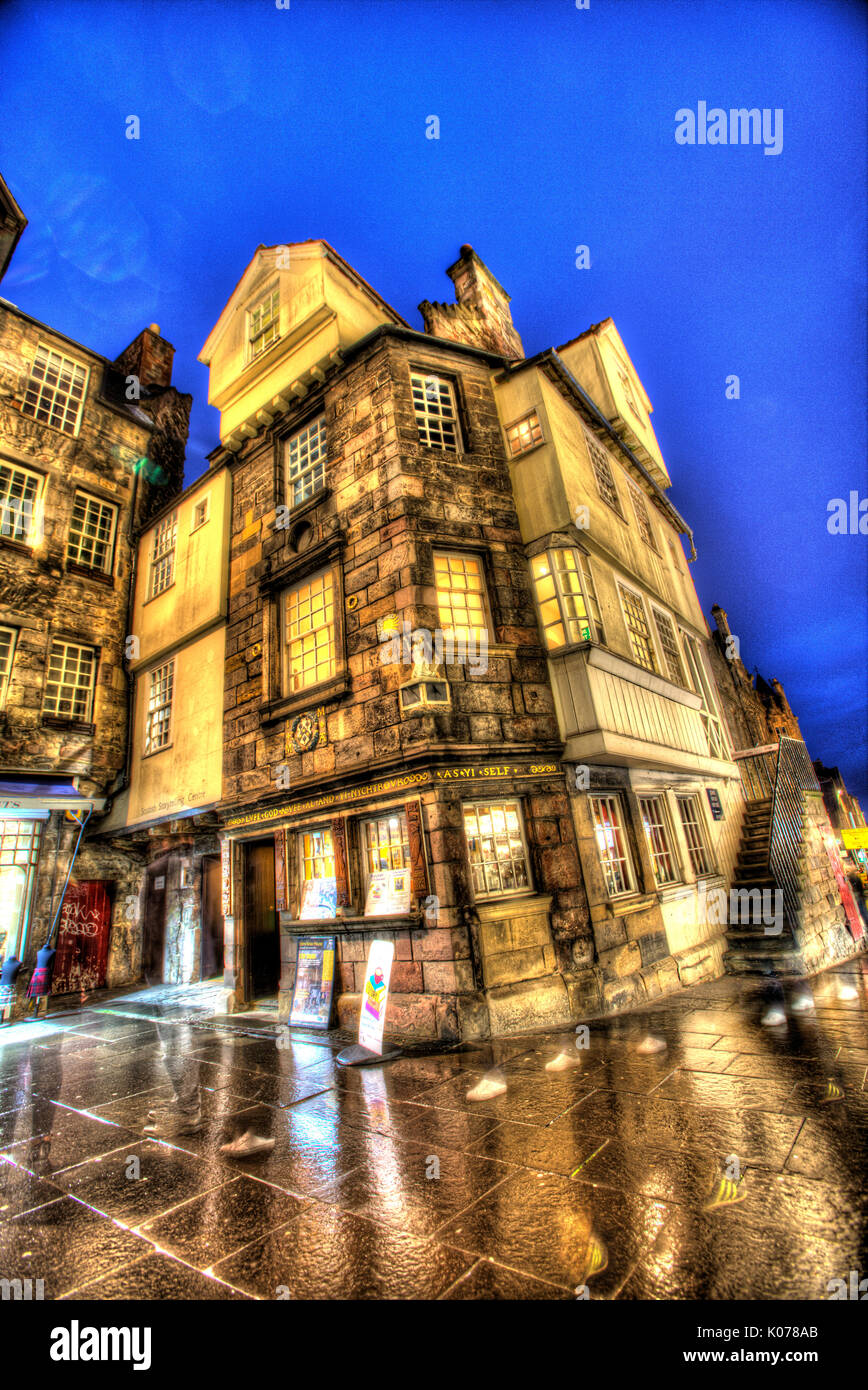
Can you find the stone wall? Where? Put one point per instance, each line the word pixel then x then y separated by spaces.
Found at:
pixel 820 925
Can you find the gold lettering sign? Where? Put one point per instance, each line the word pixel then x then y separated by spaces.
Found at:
pixel 485 772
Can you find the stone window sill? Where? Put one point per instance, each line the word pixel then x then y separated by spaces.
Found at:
pixel 87 572
pixel 70 726
pixel 338 926
pixel 321 694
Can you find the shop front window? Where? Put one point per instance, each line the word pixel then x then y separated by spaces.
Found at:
pixel 19 851
pixel 496 847
pixel 318 882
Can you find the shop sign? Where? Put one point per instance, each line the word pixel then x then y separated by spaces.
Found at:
pixel 375 995
pixel 314 982
pixel 855 838
pixel 388 893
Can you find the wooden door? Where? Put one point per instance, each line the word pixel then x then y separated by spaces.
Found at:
pixel 260 919
pixel 212 917
pixel 83 938
pixel 154 931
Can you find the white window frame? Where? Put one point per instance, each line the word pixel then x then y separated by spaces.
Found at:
pixel 61 648
pixel 72 541
pixel 701 682
pixel 435 408
pixel 532 435
pixel 603 834
pixel 679 679
pixel 53 397
pixel 162 568
pixel 490 894
pixel 660 829
pixel 642 515
pixel 30 509
pixel 587 592
pixel 203 502
pixel 625 590
pixel 7 657
pixel 160 697
pixel 603 469
pixel 462 632
pixel 297 647
pixel 324 829
pixel 701 848
pixel 306 452
pixel 266 302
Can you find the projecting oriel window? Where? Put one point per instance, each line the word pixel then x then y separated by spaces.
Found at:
pixel 20 491
pixel 636 619
pixel 55 390
pixel 92 533
pixel 695 835
pixel 70 680
pixel 436 413
pixel 567 602
pixel 163 555
pixel 305 462
pixel 496 848
pixel 263 324
pixel 309 632
pixel 602 466
pixel 158 717
pixel 612 846
pixel 669 647
pixel 8 638
pixel 658 833
pixel 640 508
pixel 461 601
pixel 524 434
pixel 701 682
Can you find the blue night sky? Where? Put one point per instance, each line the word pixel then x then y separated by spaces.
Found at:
pixel 261 125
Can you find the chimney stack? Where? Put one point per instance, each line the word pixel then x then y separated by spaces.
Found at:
pixel 148 357
pixel 481 316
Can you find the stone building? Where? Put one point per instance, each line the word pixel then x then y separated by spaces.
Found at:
pixel 167 812
pixel 844 812
pixel 86 444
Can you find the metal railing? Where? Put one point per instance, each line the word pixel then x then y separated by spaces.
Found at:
pixel 757 767
pixel 794 775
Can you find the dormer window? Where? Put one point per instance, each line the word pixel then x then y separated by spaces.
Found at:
pixel 263 324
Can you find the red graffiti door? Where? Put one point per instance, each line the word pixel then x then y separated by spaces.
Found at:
pixel 82 944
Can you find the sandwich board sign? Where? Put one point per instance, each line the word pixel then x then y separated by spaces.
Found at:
pixel 375 995
pixel 314 979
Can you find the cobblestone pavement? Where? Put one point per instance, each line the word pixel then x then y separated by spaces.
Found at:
pixel 614 1176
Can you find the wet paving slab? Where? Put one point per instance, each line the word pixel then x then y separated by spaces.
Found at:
pixel 607 1175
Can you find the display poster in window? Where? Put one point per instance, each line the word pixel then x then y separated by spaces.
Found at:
pixel 318 899
pixel 388 893
pixel 314 982
pixel 375 995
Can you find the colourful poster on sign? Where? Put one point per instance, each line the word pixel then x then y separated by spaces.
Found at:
pixel 318 900
pixel 855 838
pixel 314 980
pixel 375 995
pixel 388 893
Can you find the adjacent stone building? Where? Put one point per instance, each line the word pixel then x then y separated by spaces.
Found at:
pixel 86 445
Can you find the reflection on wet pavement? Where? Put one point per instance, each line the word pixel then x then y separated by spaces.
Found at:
pixel 726 1161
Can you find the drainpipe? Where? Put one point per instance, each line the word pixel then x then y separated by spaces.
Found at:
pixel 124 775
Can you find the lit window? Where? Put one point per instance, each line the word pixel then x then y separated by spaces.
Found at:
pixel 655 820
pixel 436 415
pixel 637 627
pixel 386 843
pixel 91 533
pixel 612 845
pixel 602 466
pixel 310 632
pixel 461 597
pixel 669 647
pixel 264 324
pixel 158 720
pixel 318 897
pixel 567 601
pixel 694 834
pixel 69 683
pixel 495 844
pixel 305 461
pixel 163 556
pixel 643 521
pixel 19 853
pixel 55 391
pixel 524 435
pixel 8 637
pixel 19 495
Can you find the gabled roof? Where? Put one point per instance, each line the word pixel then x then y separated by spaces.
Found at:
pixel 606 328
pixel 12 224
pixel 254 265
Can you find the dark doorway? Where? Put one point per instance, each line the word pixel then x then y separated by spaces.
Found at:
pixel 154 934
pixel 260 919
pixel 212 917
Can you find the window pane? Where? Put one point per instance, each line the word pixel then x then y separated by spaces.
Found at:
pixel 310 632
pixel 436 416
pixel 495 848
